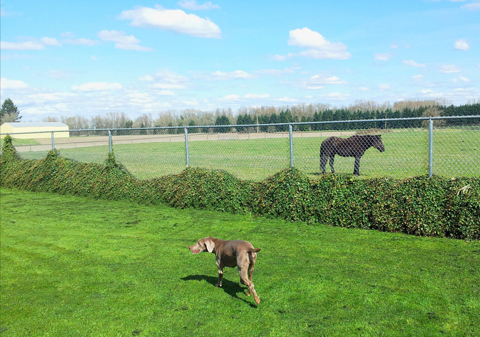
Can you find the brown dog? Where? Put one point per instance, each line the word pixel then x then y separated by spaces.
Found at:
pixel 232 254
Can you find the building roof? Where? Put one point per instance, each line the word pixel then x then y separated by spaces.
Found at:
pixel 35 124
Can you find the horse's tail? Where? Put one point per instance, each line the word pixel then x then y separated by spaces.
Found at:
pixel 323 147
pixel 325 150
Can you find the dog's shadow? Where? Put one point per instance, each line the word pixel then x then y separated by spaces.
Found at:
pixel 231 288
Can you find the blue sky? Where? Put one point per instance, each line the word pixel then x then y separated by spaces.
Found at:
pixel 88 58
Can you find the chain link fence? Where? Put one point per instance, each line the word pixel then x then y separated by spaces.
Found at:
pixel 447 147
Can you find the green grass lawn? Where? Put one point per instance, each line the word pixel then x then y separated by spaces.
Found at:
pixel 20 142
pixel 74 266
pixel 456 152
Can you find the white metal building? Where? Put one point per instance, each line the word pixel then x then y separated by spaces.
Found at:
pixel 14 127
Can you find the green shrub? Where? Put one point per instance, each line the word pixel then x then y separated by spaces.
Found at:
pixel 419 205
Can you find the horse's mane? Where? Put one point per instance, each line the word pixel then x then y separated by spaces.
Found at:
pixel 369 137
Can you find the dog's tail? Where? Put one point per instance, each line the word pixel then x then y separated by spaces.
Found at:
pixel 252 250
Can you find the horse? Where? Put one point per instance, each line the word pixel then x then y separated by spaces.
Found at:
pixel 355 146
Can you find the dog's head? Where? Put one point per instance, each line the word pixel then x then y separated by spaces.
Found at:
pixel 203 245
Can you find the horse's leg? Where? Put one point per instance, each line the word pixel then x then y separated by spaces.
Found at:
pixel 356 169
pixel 323 162
pixel 332 159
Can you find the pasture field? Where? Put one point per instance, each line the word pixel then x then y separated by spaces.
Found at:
pixel 456 152
pixel 74 266
pixel 21 142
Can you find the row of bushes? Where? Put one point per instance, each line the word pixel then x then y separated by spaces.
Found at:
pixel 421 206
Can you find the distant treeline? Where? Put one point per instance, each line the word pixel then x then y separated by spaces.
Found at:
pixel 362 110
pixel 347 115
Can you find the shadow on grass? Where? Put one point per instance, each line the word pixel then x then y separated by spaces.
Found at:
pixel 231 288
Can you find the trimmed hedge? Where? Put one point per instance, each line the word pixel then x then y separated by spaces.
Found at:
pixel 419 206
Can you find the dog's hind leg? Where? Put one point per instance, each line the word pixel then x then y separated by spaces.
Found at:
pixel 245 280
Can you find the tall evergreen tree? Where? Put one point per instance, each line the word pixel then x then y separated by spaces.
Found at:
pixel 223 120
pixel 9 112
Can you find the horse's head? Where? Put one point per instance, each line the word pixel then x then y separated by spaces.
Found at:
pixel 378 144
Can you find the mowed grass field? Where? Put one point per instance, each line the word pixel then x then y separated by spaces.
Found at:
pixel 456 152
pixel 75 266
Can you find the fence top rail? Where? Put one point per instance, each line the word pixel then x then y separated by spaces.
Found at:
pixel 248 125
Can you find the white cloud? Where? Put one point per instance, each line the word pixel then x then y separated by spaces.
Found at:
pixel 329 80
pixel 58 74
pixel 474 6
pixel 191 103
pixel 241 74
pixel 50 41
pixel 287 99
pixel 192 4
pixel 253 96
pixel 308 38
pixel 461 44
pixel 7 84
pixel 279 57
pixel 28 45
pixel 323 54
pixel 317 46
pixel 412 63
pixel 272 72
pixel 122 41
pixel 383 57
pixel 292 68
pixel 172 19
pixel 231 98
pixel 97 86
pixel 46 108
pixel 417 78
pixel 384 86
pixel 166 79
pixel 51 97
pixel 462 79
pixel 81 41
pixel 393 46
pixel 317 82
pixel 168 86
pixel 67 34
pixel 140 99
pixel 337 96
pixel 427 91
pixel 237 74
pixel 147 78
pixel 166 93
pixel 448 69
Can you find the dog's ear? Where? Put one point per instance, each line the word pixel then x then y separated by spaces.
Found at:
pixel 210 245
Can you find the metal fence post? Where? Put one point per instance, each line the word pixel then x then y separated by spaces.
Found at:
pixel 53 141
pixel 110 140
pixel 430 147
pixel 290 131
pixel 186 147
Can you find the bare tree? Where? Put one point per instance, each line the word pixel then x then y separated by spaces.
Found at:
pixel 76 122
pixel 433 111
pixel 50 119
pixel 116 119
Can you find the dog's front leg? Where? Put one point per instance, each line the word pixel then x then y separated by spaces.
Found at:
pixel 220 272
pixel 220 278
